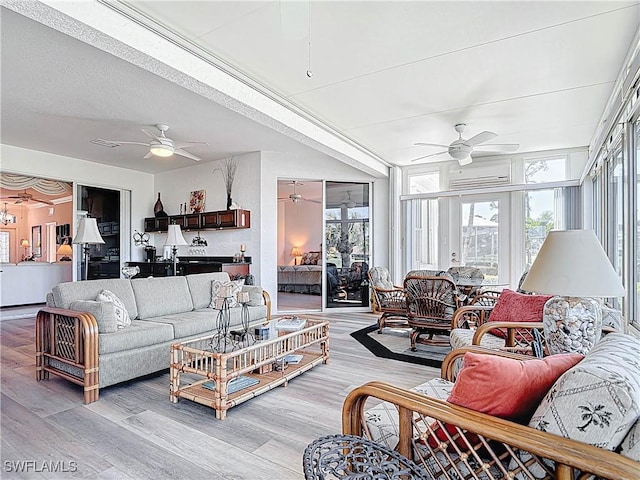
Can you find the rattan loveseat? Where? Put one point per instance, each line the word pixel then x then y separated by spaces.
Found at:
pixel 576 431
pixel 72 340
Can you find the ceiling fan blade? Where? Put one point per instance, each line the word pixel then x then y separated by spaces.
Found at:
pixel 18 201
pixel 190 144
pixel 430 155
pixel 127 143
pixel 431 144
pixel 480 138
pixel 498 147
pixel 151 135
pixel 148 155
pixel 465 161
pixel 179 151
pixel 311 201
pixel 41 200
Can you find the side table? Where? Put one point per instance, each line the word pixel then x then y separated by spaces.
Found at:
pixel 352 457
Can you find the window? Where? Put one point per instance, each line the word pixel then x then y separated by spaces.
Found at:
pixel 4 247
pixel 544 170
pixel 424 183
pixel 422 234
pixel 539 219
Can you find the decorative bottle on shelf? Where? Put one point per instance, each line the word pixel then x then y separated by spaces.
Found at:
pixel 158 207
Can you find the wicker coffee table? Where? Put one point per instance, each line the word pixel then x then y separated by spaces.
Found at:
pixel 224 380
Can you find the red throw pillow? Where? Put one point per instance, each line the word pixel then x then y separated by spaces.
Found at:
pixel 508 388
pixel 503 387
pixel 516 307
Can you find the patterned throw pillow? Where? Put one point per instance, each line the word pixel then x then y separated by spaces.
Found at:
pixel 233 288
pixel 122 316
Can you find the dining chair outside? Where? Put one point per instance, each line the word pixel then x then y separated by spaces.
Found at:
pixel 431 302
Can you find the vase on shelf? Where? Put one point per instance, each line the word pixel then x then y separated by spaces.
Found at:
pixel 158 208
pixel 229 201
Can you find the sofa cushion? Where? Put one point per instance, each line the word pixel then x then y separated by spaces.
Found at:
pixel 141 333
pixel 630 446
pixel 200 287
pixel 103 312
pixel 505 387
pixel 122 316
pixel 382 420
pixel 187 324
pixel 517 307
pixel 66 292
pixel 161 296
pixel 596 401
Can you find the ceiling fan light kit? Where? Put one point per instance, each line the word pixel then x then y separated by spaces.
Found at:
pixel 160 145
pixel 161 150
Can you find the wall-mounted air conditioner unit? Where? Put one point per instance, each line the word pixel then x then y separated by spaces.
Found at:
pixel 486 176
pixel 480 182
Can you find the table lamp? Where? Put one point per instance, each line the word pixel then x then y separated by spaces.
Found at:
pixel 174 238
pixel 65 250
pixel 573 266
pixel 24 243
pixel 87 234
pixel 296 252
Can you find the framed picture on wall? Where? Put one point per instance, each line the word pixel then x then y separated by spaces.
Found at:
pixel 196 202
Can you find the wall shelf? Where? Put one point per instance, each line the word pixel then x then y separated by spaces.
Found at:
pixel 220 220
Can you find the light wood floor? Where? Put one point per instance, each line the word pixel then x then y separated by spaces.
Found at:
pixel 133 431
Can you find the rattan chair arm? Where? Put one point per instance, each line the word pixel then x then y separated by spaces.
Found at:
pixel 448 367
pixel 480 311
pixel 511 330
pixel 267 302
pixel 566 453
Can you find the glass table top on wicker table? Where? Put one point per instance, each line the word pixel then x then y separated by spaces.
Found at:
pixel 222 380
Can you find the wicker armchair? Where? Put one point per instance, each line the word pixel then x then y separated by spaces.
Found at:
pixel 470 273
pixel 389 298
pixel 469 326
pixel 476 445
pixel 431 302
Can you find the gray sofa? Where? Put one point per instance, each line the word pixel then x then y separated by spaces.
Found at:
pixel 75 338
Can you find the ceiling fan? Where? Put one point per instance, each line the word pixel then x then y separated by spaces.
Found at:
pixel 462 149
pixel 161 145
pixel 26 197
pixel 296 197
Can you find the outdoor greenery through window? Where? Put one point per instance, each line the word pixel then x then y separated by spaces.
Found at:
pixel 539 220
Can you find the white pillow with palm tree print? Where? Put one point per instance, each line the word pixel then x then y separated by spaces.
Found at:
pixel 596 402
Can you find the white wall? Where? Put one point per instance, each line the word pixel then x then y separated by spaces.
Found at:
pixel 176 186
pixel 58 167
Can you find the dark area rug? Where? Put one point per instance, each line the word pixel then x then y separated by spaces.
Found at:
pixel 394 343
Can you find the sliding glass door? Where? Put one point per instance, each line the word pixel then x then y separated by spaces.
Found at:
pixel 347 244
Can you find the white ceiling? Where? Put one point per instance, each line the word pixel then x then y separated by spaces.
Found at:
pixel 386 74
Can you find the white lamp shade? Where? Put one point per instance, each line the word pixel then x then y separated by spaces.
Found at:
pixel 88 231
pixel 174 236
pixel 572 263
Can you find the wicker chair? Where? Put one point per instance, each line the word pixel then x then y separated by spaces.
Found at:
pixel 431 302
pixel 389 298
pixel 471 273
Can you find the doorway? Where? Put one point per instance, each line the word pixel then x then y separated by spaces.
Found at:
pixel 300 238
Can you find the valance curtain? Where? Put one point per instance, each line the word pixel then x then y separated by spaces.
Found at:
pixel 12 181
